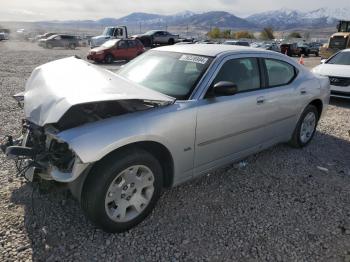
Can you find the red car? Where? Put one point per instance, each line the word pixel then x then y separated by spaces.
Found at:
pixel 116 49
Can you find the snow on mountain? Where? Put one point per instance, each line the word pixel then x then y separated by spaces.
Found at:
pixel 289 18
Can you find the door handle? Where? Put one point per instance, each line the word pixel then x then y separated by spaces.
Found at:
pixel 303 92
pixel 260 100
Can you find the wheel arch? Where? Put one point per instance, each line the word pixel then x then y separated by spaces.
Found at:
pixel 158 150
pixel 319 105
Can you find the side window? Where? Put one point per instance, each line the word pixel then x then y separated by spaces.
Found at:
pixel 132 44
pixel 118 32
pixel 244 72
pixel 279 72
pixel 122 44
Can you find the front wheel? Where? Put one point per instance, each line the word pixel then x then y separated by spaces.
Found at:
pixel 122 190
pixel 305 128
pixel 109 59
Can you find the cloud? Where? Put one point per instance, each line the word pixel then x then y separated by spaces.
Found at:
pixel 29 10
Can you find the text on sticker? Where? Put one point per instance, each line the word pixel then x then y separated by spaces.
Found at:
pixel 194 59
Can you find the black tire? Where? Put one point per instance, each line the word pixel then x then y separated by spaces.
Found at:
pixel 296 140
pixel 100 178
pixel 171 41
pixel 109 59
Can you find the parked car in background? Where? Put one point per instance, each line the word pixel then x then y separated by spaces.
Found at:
pixel 61 40
pixel 337 68
pixel 116 49
pixel 157 37
pixel 110 32
pixel 314 48
pixel 304 48
pixel 170 115
pixel 4 34
pixel 236 42
pixel 270 46
pixel 290 49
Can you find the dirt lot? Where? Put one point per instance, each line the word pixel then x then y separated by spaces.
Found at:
pixel 279 205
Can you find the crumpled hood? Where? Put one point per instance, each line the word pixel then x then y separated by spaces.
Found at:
pixel 56 86
pixel 332 70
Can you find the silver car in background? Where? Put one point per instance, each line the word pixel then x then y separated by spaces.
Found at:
pixel 170 115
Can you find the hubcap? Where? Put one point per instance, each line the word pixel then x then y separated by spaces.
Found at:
pixel 129 193
pixel 308 127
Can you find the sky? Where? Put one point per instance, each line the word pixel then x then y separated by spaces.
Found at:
pixel 36 10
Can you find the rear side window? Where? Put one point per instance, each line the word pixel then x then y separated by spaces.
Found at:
pixel 243 72
pixel 131 43
pixel 279 73
pixel 122 44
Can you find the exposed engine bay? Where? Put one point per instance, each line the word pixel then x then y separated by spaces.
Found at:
pixel 91 112
pixel 38 151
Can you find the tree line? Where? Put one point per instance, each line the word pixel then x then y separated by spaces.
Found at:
pixel 266 34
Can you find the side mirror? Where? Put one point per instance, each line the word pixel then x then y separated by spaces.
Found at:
pixel 225 88
pixel 323 61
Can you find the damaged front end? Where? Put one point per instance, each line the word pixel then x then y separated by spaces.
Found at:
pixel 66 94
pixel 37 152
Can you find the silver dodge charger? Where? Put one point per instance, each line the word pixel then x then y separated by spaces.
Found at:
pixel 170 115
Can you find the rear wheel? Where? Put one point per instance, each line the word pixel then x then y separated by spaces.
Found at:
pixel 122 190
pixel 109 59
pixel 305 128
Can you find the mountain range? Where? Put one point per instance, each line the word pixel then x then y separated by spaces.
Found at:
pixel 282 19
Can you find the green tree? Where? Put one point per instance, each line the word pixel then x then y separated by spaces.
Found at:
pixel 214 33
pixel 243 34
pixel 267 34
pixel 226 34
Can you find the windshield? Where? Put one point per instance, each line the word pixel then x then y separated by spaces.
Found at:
pixel 173 74
pixel 52 37
pixel 110 43
pixel 108 31
pixel 338 42
pixel 150 32
pixel 342 58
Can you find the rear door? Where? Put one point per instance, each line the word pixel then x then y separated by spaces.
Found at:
pixel 121 52
pixel 132 49
pixel 283 98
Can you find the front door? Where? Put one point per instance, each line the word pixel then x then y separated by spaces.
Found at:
pixel 229 127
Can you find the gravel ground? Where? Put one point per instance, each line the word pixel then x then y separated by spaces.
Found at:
pixel 279 205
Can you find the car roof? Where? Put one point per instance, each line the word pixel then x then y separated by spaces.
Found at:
pixel 345 50
pixel 209 50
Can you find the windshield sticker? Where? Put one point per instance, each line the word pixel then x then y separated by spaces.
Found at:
pixel 194 59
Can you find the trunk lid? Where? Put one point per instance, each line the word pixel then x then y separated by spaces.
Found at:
pixel 55 87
